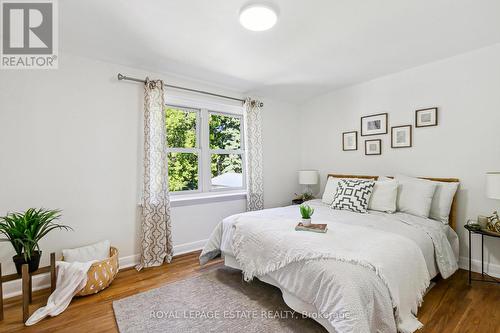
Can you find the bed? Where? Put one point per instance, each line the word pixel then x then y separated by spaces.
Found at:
pixel 368 273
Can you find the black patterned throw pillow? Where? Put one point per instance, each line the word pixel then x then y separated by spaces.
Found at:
pixel 353 195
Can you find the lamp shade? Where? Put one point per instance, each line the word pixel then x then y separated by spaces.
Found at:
pixel 308 177
pixel 493 185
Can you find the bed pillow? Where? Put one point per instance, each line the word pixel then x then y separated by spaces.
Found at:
pixel 384 196
pixel 97 251
pixel 415 195
pixel 442 200
pixel 330 190
pixel 353 195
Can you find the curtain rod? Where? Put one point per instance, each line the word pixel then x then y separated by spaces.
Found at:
pixel 128 78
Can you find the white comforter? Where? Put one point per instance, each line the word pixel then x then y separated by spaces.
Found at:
pixel 356 291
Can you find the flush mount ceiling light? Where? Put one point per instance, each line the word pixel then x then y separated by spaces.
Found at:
pixel 258 17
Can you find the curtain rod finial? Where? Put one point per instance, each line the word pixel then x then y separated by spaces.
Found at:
pixel 257 103
pixel 120 76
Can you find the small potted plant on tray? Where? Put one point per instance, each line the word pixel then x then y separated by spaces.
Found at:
pixel 306 211
pixel 25 230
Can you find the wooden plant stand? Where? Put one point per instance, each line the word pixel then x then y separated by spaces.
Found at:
pixel 27 283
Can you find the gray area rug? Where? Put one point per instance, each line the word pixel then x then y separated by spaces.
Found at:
pixel 218 301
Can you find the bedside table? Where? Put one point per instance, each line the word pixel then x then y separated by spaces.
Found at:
pixel 482 233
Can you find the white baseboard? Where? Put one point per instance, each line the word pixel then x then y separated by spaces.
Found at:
pixel 490 269
pixel 189 247
pixel 42 281
pixel 13 288
pixel 129 261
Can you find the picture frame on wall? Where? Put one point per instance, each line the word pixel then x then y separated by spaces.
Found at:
pixel 374 124
pixel 401 136
pixel 373 147
pixel 350 141
pixel 426 117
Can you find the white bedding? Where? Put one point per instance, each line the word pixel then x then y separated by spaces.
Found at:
pixel 341 287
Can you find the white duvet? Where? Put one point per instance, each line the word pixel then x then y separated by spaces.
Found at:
pixel 367 274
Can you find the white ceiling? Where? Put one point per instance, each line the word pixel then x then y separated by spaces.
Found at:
pixel 316 46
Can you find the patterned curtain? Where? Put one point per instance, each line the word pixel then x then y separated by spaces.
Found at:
pixel 156 237
pixel 253 146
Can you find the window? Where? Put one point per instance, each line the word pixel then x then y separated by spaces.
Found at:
pixel 225 150
pixel 205 150
pixel 182 152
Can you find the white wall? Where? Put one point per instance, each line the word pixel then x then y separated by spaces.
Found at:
pixel 72 139
pixel 281 153
pixel 465 145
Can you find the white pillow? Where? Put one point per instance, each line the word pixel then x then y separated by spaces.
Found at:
pixel 384 196
pixel 442 200
pixel 330 190
pixel 415 195
pixel 97 251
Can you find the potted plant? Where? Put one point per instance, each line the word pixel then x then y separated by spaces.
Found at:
pixel 306 211
pixel 300 198
pixel 25 230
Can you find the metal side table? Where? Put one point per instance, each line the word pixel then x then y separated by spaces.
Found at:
pixel 483 233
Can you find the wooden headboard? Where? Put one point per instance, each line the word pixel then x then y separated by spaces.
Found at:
pixel 453 212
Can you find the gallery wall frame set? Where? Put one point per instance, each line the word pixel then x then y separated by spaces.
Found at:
pixel 377 124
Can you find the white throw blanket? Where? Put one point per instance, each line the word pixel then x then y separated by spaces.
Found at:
pixel 265 245
pixel 71 278
pixel 443 250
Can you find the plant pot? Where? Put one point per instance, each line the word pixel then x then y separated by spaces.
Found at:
pixel 306 222
pixel 33 263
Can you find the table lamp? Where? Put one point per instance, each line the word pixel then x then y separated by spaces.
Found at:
pixel 308 178
pixel 493 192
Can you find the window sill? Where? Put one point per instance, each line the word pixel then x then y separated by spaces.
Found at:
pixel 203 198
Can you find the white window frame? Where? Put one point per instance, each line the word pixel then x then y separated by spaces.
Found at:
pixel 203 110
pixel 207 179
pixel 196 149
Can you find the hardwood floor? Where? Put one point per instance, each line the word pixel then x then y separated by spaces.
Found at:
pixel 451 306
